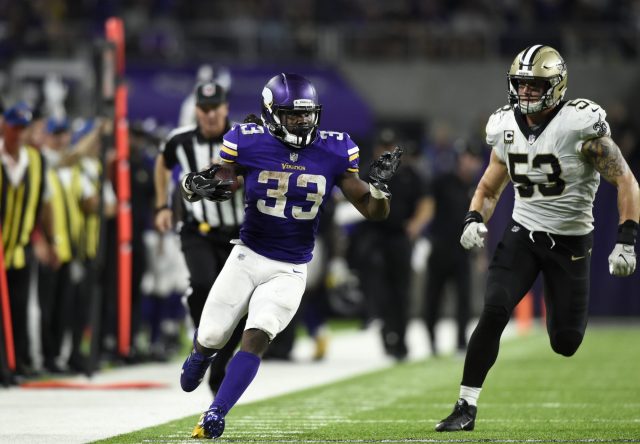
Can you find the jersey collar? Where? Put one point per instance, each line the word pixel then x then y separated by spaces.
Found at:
pixel 526 130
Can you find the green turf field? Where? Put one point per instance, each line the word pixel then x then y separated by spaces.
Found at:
pixel 531 395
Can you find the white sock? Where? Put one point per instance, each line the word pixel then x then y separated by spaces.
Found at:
pixel 470 394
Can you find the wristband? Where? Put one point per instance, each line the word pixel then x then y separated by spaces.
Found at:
pixel 376 193
pixel 627 232
pixel 472 216
pixel 159 209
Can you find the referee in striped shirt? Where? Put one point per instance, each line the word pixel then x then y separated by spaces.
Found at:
pixel 206 228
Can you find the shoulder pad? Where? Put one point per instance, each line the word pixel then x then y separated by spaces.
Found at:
pixel 342 144
pixel 494 124
pixel 240 135
pixel 585 117
pixel 249 129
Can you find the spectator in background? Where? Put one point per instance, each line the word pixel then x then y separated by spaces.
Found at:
pixel 154 260
pixel 448 262
pixel 22 201
pixel 384 266
pixel 206 227
pixel 439 152
pixel 72 195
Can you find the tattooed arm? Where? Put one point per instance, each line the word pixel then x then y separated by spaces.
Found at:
pixel 607 159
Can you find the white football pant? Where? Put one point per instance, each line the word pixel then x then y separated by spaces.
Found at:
pixel 269 290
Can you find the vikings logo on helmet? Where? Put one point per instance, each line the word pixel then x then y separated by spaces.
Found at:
pixel 267 98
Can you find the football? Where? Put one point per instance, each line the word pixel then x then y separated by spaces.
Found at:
pixel 228 173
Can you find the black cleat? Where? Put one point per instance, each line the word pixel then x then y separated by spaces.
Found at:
pixel 463 417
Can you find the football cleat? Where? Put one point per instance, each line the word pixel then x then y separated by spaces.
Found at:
pixel 210 425
pixel 463 417
pixel 194 368
pixel 321 345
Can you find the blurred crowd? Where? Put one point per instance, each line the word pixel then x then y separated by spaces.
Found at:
pixel 312 29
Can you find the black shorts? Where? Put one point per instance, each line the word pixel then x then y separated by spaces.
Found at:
pixel 565 265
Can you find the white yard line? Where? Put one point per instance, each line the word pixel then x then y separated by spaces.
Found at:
pixel 79 416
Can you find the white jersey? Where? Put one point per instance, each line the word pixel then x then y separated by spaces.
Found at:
pixel 555 185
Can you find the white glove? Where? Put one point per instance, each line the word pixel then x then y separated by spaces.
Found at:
pixel 473 235
pixel 622 260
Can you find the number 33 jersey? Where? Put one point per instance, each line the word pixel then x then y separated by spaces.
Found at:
pixel 285 188
pixel 554 184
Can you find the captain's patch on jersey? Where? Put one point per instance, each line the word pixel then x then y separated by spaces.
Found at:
pixel 508 136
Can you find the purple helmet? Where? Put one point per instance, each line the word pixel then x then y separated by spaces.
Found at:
pixel 290 109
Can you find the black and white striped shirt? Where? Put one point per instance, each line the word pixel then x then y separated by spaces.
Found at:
pixel 187 147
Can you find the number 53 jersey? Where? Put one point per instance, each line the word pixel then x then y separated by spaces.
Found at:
pixel 554 184
pixel 285 188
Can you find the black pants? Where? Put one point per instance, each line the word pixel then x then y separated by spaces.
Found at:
pixel 564 262
pixel 18 283
pixel 447 263
pixel 205 256
pixel 56 309
pixel 385 277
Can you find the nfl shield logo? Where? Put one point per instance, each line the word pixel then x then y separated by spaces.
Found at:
pixel 532 139
pixel 293 157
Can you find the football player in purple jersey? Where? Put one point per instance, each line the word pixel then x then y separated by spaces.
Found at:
pixel 289 168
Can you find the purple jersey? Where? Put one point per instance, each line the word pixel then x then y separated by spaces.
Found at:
pixel 285 187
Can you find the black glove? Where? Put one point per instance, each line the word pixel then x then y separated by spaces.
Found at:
pixel 196 186
pixel 383 168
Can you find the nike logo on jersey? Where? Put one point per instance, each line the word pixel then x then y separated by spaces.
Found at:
pixel 297 272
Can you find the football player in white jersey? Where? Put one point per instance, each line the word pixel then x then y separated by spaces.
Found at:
pixel 554 151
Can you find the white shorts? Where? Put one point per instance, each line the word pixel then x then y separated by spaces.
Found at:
pixel 269 290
